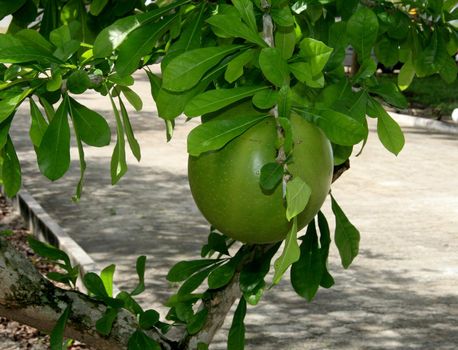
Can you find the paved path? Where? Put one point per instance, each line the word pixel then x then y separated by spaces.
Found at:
pixel 400 293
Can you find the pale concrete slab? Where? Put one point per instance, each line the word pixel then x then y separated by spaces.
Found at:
pixel 400 293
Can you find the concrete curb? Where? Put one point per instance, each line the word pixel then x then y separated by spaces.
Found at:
pixel 47 229
pixel 424 123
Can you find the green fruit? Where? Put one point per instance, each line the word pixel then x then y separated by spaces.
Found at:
pixel 225 184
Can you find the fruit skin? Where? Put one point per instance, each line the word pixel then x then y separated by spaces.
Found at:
pixel 225 183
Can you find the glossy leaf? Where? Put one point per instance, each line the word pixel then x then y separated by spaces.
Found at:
pixel 111 37
pixel 221 276
pixel 347 237
pixel 236 337
pixel 9 105
pixel 139 43
pixel 290 254
pixel 216 243
pixel 235 67
pixel 390 93
pixel 92 127
pixel 339 128
pixel 182 270
pixel 216 133
pixel 327 281
pixel 11 170
pixel 140 268
pixel 186 70
pixel 271 176
pixel 389 132
pixel 406 75
pixel 57 335
pixel 107 278
pixel 285 41
pixel 148 319
pixel 230 26
pixel 265 99
pixel 307 272
pixel 362 30
pixel 54 151
pixel 118 158
pixel 297 196
pixel 274 67
pixel 214 100
pixel 133 143
pixel 316 53
pixel 140 341
pixel 105 324
pixel 245 8
pixel 97 6
pixel 282 16
pixel 196 322
pixel 48 251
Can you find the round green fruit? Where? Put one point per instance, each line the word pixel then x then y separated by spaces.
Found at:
pixel 225 184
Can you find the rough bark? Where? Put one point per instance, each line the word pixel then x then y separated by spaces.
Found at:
pixel 28 298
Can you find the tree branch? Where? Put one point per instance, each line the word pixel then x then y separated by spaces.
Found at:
pixel 28 298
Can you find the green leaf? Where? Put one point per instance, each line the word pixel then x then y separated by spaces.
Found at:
pixel 327 281
pixel 139 43
pixel 140 268
pixel 107 278
pixel 265 99
pixel 236 337
pixel 11 170
pixel 140 341
pixel 271 176
pixel 105 323
pixel 7 7
pixel 182 270
pixel 362 30
pixel 49 252
pixel 235 67
pixel 366 70
pixel 346 236
pixel 387 52
pixel 339 128
pixel 288 142
pixel 316 53
pixel 245 8
pixel 197 322
pixel 274 67
pixel 216 243
pixel 133 143
pixel 97 6
pixel 17 50
pixel 79 187
pixel 214 100
pixel 221 276
pixel 193 282
pixel 54 151
pixel 390 93
pixel 57 334
pixel 111 37
pixel 389 132
pixel 282 16
pixel 55 82
pixel 430 59
pixel 132 97
pixel 253 273
pixel 285 41
pixel 297 196
pixel 148 319
pixel 216 133
pixel 307 272
pixel 118 159
pixel 449 70
pixel 230 26
pixel 129 303
pixel 186 70
pixel 291 253
pixel 9 105
pixel 95 285
pixel 92 127
pixel 254 296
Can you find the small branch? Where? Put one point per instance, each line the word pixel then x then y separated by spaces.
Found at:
pixel 340 169
pixel 28 298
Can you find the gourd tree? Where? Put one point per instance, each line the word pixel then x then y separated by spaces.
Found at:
pixel 280 115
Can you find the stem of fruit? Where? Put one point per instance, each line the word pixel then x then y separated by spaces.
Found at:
pixel 268 36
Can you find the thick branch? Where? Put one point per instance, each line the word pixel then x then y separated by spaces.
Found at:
pixel 28 298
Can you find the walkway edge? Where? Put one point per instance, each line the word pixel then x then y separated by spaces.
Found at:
pixel 425 123
pixel 45 228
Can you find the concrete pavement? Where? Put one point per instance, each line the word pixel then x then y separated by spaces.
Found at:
pixel 400 293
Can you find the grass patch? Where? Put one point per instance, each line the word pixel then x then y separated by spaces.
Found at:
pixel 430 93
